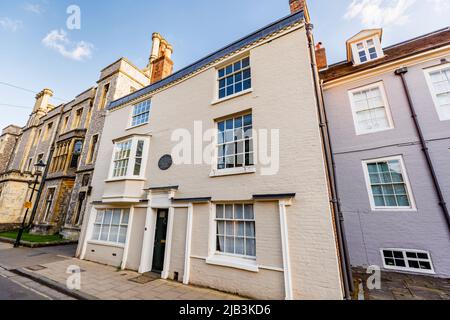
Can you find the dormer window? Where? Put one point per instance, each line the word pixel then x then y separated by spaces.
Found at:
pixel 367 51
pixel 365 46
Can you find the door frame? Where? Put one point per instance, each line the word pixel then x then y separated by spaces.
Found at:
pixel 158 212
pixel 146 263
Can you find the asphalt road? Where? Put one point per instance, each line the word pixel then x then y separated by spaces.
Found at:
pixel 13 291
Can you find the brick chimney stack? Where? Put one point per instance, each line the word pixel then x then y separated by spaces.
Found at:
pixel 321 57
pixel 160 64
pixel 297 5
pixel 300 5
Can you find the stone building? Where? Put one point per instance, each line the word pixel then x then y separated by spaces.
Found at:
pixel 389 114
pixel 225 218
pixel 66 138
pixel 8 140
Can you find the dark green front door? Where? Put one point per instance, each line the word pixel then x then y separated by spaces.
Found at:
pixel 160 241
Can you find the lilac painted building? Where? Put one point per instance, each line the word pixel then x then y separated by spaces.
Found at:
pixel 393 173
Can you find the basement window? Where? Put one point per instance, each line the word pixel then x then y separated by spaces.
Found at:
pixel 407 260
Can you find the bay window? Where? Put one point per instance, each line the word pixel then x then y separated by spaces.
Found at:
pixel 129 157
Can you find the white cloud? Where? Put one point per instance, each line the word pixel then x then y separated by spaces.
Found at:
pixel 59 41
pixel 33 7
pixel 440 5
pixel 9 24
pixel 379 13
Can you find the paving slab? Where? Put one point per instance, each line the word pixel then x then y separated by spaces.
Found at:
pixel 405 286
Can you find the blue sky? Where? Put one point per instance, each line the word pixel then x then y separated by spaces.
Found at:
pixel 39 51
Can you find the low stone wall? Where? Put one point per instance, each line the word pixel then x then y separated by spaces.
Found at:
pixel 9 227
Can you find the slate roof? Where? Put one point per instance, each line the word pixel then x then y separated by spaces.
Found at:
pixel 239 44
pixel 430 41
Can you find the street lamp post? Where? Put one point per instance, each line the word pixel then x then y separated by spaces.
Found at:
pixel 38 171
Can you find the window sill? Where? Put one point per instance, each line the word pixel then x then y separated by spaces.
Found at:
pixel 232 172
pixel 105 243
pixel 233 262
pixel 217 101
pixel 137 126
pixel 363 133
pixel 412 270
pixel 397 209
pixel 124 179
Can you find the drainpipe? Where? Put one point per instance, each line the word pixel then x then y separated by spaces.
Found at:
pixel 331 173
pixel 401 73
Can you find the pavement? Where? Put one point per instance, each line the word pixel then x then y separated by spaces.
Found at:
pixel 403 286
pixel 15 287
pixel 53 265
pixel 43 274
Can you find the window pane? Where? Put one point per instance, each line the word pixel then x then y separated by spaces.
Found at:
pixel 104 233
pixel 137 167
pixel 240 246
pixel 220 228
pixel 123 234
pixel 250 229
pixel 220 211
pixel 229 228
pixel 99 218
pixel 238 212
pixel 229 245
pixel 125 216
pixel 245 62
pixel 240 229
pixel 229 211
pixel 116 217
pixel 108 216
pixel 250 247
pixel 96 232
pixel 113 234
pixel 248 212
pixel 220 244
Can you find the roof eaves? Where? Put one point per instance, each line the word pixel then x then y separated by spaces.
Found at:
pixel 255 36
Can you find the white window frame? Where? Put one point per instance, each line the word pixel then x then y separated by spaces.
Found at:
pixel 380 86
pixel 377 46
pixel 107 242
pixel 432 90
pixel 132 160
pixel 130 121
pixel 412 206
pixel 217 98
pixel 404 251
pixel 215 171
pixel 218 258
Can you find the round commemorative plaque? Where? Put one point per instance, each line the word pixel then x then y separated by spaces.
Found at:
pixel 165 162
